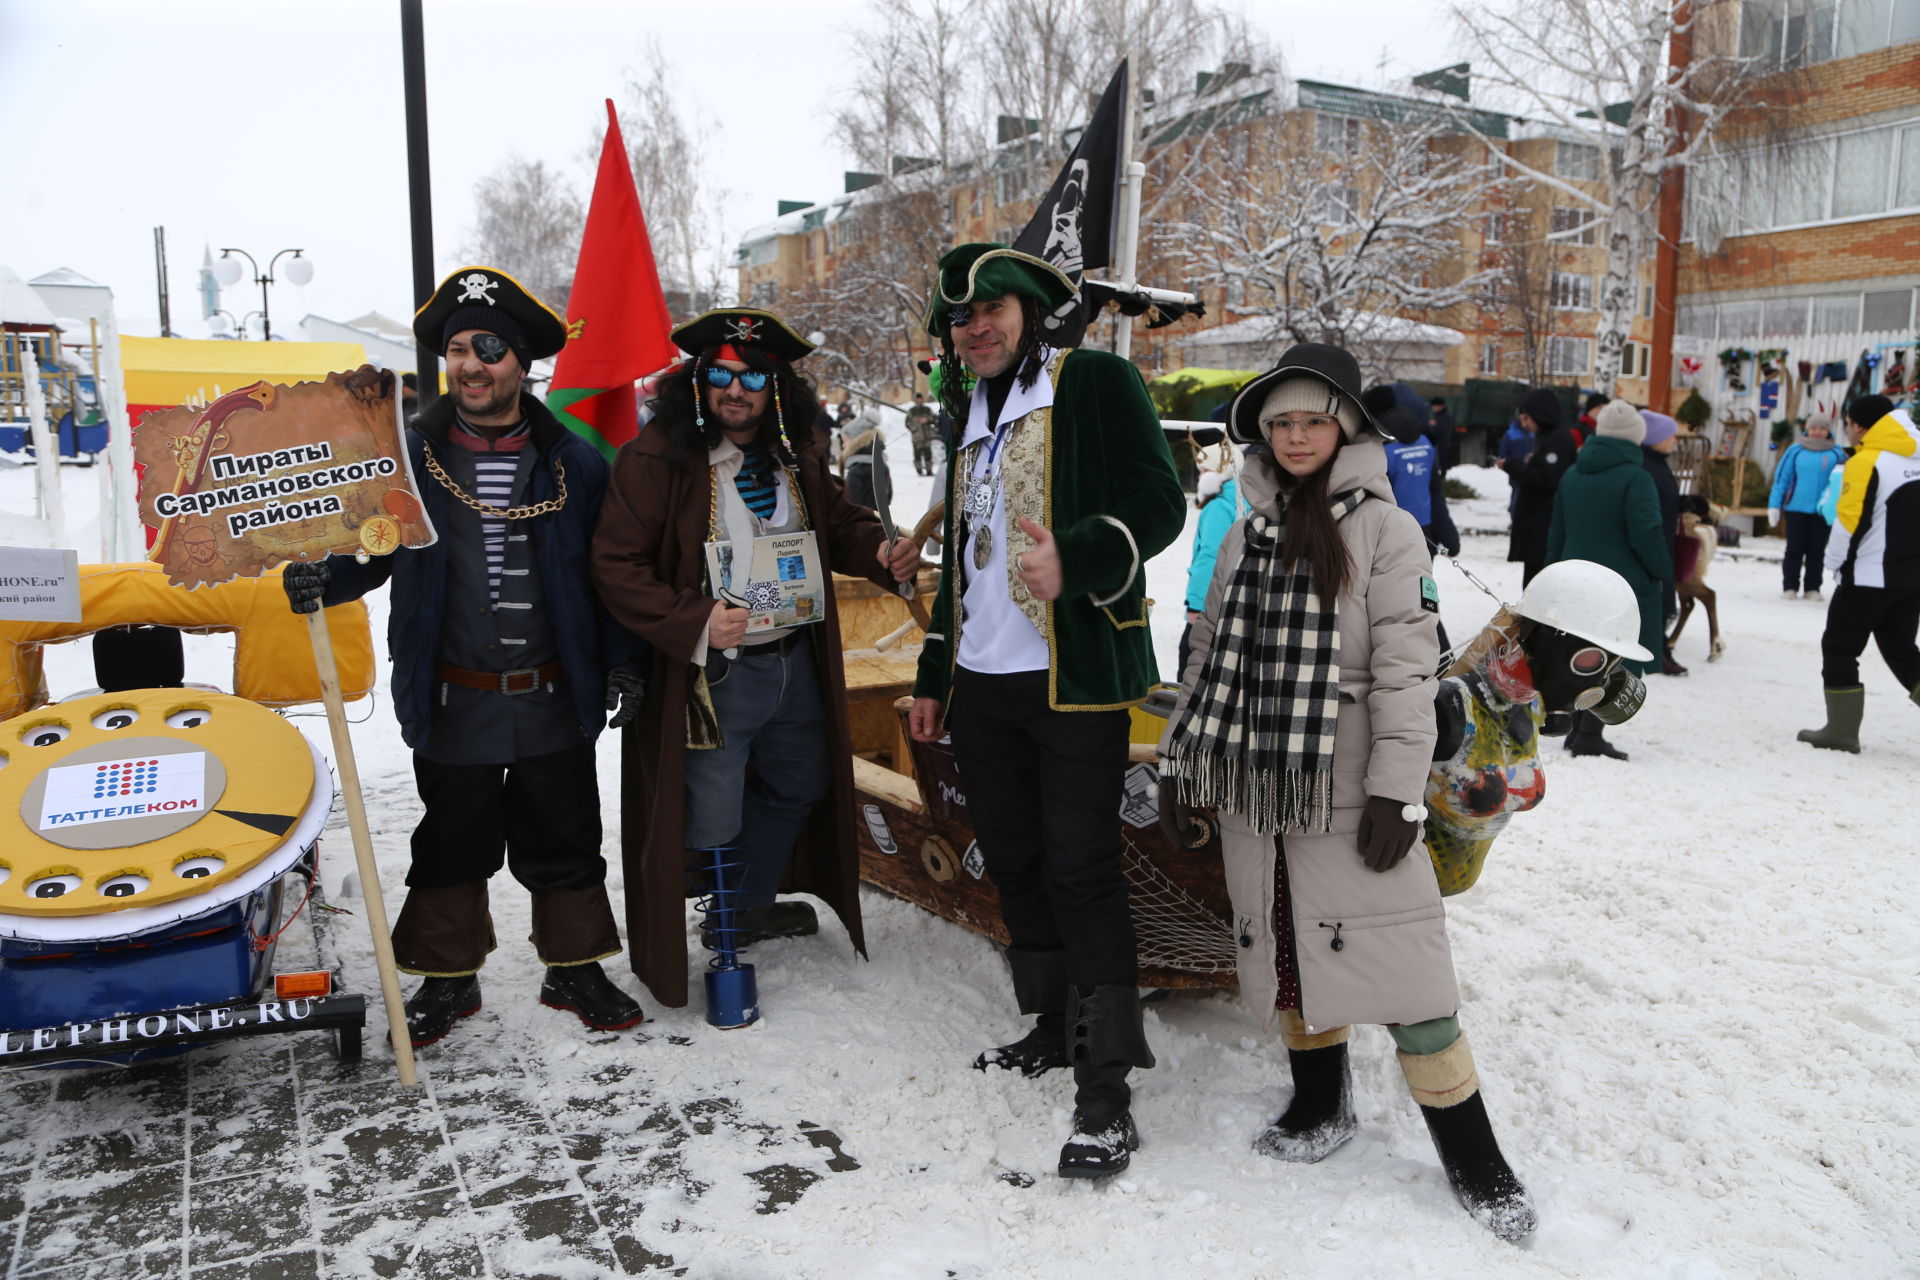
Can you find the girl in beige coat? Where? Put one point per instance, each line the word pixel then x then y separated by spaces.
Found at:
pixel 1310 730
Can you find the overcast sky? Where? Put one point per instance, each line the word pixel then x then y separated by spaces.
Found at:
pixel 272 124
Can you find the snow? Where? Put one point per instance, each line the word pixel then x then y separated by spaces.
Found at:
pixel 1689 981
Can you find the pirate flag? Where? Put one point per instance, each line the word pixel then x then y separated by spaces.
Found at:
pixel 1075 226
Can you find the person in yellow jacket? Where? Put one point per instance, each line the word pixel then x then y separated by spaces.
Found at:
pixel 1874 559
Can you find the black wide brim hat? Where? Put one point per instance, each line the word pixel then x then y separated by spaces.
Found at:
pixel 1327 364
pixel 741 327
pixel 990 270
pixel 483 292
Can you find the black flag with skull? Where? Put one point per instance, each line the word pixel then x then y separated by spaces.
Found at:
pixel 1075 225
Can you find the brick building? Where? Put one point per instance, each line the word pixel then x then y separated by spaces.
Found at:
pixel 1801 244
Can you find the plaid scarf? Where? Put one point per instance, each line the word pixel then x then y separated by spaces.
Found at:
pixel 1257 735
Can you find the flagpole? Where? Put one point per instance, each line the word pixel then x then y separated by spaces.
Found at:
pixel 1132 173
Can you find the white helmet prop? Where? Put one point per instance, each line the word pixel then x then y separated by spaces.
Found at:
pixel 1587 600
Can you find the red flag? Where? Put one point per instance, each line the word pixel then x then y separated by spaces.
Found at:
pixel 617 324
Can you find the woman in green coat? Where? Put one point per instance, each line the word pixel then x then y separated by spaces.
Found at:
pixel 1607 511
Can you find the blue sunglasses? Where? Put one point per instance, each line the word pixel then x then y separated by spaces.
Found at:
pixel 750 379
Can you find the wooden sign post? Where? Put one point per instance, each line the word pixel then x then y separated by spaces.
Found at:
pixel 267 474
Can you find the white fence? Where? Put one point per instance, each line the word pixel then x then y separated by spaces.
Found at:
pixel 1796 399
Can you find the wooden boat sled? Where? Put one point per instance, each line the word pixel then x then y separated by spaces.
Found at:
pixel 916 842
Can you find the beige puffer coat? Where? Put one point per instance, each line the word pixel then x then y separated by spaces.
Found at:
pixel 1394 965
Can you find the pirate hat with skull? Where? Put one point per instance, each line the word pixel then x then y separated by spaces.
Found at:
pixel 740 327
pixel 987 270
pixel 489 299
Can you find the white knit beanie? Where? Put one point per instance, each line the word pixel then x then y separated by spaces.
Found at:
pixel 1310 395
pixel 1621 420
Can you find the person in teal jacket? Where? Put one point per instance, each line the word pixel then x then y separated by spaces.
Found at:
pixel 1799 483
pixel 1607 511
pixel 1219 507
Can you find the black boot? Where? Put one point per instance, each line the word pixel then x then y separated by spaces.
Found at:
pixel 1482 1180
pixel 438 1004
pixel 1105 1039
pixel 586 991
pixel 762 924
pixel 1319 1120
pixel 1587 737
pixel 1039 987
pixel 1447 1089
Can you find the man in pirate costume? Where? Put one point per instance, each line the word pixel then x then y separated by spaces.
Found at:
pixel 501 655
pixel 1059 491
pixel 745 736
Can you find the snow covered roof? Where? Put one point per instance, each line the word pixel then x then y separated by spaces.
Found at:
pixel 19 304
pixel 67 276
pixel 1367 326
pixel 374 322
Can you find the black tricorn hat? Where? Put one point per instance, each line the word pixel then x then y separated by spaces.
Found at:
pixel 473 295
pixel 1327 364
pixel 741 327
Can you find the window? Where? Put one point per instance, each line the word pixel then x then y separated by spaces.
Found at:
pixel 1573 226
pixel 1239 147
pixel 1740 320
pixel 1636 360
pixel 1786 317
pixel 1504 226
pixel 1805 171
pixel 765 294
pixel 1576 160
pixel 1646 300
pixel 1336 203
pixel 1890 310
pixel 1569 357
pixel 1836 313
pixel 1875 24
pixel 1696 320
pixel 1865 159
pixel 1489 360
pixel 760 252
pixel 1906 189
pixel 1336 135
pixel 1572 293
pixel 1010 186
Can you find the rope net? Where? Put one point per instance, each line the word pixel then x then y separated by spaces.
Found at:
pixel 1172 928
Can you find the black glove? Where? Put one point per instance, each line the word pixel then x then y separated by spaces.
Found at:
pixel 1385 836
pixel 305 584
pixel 626 692
pixel 1174 815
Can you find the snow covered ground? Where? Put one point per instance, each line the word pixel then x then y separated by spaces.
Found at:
pixel 1690 981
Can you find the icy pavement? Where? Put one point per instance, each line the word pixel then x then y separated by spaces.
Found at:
pixel 1692 982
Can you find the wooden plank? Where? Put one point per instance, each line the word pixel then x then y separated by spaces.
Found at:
pixel 883 783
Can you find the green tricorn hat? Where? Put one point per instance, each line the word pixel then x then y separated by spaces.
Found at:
pixel 975 271
pixel 741 327
pixel 490 299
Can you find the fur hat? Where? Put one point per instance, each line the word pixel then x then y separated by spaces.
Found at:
pixel 1209 486
pixel 1620 420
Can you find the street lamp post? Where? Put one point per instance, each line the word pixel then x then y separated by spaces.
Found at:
pixel 227 272
pixel 222 320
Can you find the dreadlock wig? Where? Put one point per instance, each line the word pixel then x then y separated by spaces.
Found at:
pixel 680 409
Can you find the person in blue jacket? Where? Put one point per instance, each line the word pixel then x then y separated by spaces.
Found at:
pixel 1799 482
pixel 1513 450
pixel 1218 498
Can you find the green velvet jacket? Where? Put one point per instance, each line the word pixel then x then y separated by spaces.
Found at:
pixel 1102 480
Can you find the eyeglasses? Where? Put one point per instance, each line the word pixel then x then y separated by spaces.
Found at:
pixel 750 379
pixel 1309 424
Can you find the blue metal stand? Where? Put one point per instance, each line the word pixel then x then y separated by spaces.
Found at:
pixel 733 995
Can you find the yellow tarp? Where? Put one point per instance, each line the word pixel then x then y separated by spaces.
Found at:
pixel 272 656
pixel 170 371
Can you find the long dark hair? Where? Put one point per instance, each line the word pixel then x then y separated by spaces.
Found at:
pixel 1313 534
pixel 795 402
pixel 953 374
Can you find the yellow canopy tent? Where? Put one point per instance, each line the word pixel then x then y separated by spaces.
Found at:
pixel 162 372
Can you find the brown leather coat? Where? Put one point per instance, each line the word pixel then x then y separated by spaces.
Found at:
pixel 648 565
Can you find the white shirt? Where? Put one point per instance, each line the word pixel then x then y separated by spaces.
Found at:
pixel 996 637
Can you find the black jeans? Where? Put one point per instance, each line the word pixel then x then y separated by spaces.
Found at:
pixel 1806 541
pixel 1044 789
pixel 542 814
pixel 1890 615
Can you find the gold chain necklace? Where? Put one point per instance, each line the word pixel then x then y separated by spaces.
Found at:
pixel 496 513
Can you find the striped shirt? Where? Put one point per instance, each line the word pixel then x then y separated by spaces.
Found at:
pixel 754 480
pixel 494 465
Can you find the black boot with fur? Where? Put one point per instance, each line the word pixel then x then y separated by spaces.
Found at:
pixel 1105 1039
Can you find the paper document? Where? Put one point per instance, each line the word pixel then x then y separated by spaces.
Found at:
pixel 781 583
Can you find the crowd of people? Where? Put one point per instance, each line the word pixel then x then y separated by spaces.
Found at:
pixel 1310 713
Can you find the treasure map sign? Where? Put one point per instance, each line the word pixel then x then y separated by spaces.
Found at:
pixel 269 473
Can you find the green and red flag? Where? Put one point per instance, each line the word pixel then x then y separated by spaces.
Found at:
pixel 617 324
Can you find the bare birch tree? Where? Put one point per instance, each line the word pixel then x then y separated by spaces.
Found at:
pixel 1598 69
pixel 528 223
pixel 677 197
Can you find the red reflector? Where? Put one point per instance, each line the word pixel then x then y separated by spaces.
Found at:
pixel 304 984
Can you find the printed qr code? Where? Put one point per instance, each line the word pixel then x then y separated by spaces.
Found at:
pixel 763 597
